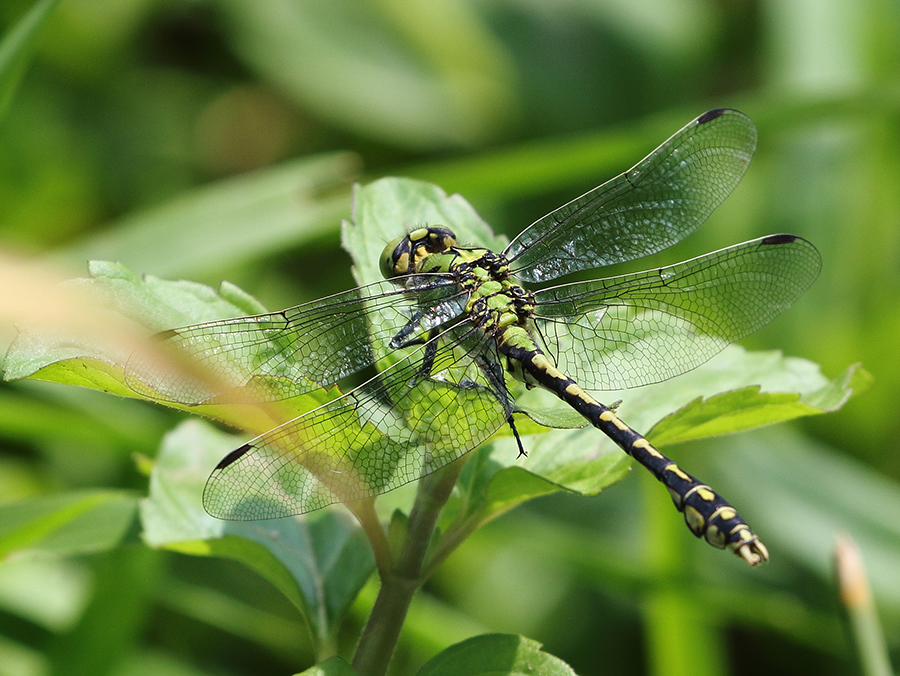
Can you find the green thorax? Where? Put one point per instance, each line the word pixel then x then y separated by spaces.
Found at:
pixel 497 304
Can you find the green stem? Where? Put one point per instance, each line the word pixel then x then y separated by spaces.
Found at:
pixel 675 623
pixel 399 584
pixel 364 511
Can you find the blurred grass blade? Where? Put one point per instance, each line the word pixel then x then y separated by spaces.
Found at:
pixel 16 48
pixel 856 597
pixel 676 622
pixel 242 619
pixel 418 75
pixel 802 495
pixel 70 523
pixel 216 227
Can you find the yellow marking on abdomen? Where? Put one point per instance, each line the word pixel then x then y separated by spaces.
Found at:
pixel 574 390
pixel 708 495
pixel 609 416
pixel 675 469
pixel 647 446
pixel 545 365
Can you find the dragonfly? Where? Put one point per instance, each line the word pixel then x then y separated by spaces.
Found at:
pixel 439 346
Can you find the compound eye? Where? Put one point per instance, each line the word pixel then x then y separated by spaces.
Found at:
pixel 391 254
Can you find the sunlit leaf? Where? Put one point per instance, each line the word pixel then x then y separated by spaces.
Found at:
pixel 750 407
pixel 94 357
pixel 496 655
pixel 391 207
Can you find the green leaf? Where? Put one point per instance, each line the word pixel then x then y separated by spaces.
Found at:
pixel 94 359
pixel 555 417
pixel 319 561
pixel 750 407
pixel 17 46
pixel 495 479
pixel 153 303
pixel 496 655
pixel 69 523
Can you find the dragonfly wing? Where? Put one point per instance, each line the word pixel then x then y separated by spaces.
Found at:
pixel 649 326
pixel 389 431
pixel 650 207
pixel 284 354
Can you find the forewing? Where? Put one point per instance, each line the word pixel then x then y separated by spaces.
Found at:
pixel 393 429
pixel 284 354
pixel 649 326
pixel 650 207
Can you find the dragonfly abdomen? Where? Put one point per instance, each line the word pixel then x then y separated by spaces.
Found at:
pixel 706 513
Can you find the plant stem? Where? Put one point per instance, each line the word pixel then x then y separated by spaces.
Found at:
pixel 380 635
pixel 364 511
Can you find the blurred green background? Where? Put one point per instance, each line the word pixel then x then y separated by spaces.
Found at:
pixel 218 139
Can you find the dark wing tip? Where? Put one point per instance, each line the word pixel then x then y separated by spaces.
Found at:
pixel 710 115
pixel 163 335
pixel 779 239
pixel 233 456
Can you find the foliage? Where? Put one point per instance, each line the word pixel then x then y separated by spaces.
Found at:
pixel 517 106
pixel 320 562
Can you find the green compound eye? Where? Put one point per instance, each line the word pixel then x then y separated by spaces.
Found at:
pixel 400 255
pixel 389 258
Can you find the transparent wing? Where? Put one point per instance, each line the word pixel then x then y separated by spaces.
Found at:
pixel 649 326
pixel 393 429
pixel 284 354
pixel 650 207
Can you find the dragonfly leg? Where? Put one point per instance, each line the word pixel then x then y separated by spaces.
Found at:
pixel 428 359
pixel 402 339
pixel 431 347
pixel 493 372
pixel 512 426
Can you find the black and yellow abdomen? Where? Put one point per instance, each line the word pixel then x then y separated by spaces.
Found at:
pixel 706 513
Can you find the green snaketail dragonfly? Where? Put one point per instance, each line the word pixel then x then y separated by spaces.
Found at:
pixel 451 326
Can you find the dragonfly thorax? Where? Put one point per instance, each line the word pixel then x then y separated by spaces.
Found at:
pixel 496 302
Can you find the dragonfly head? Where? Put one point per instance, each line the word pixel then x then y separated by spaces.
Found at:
pixel 405 254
